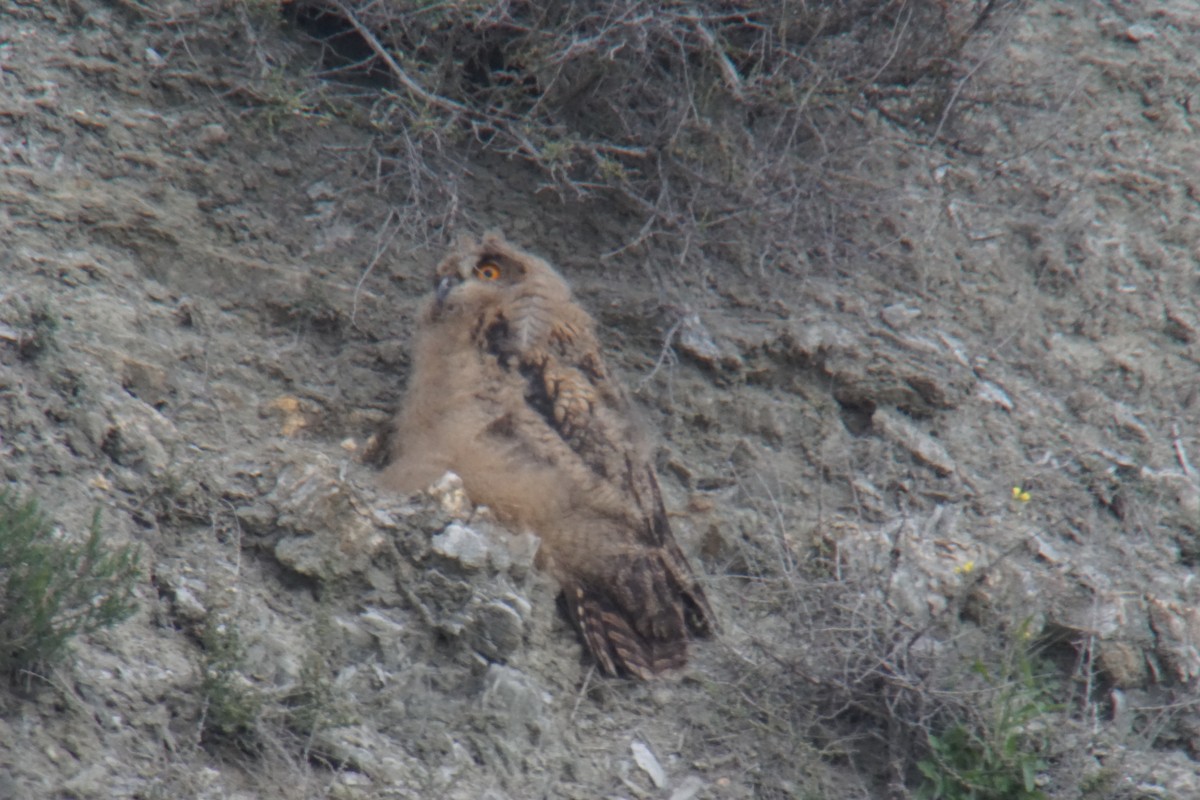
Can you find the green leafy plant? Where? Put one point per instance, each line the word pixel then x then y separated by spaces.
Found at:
pixel 52 588
pixel 997 754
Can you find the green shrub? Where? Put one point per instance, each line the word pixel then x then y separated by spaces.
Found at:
pixel 52 588
pixel 233 706
pixel 38 337
pixel 314 704
pixel 997 753
pixel 239 712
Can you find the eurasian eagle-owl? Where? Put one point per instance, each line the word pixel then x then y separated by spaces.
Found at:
pixel 509 390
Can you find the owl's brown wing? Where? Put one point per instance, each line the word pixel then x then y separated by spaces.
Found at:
pixel 637 612
pixel 636 602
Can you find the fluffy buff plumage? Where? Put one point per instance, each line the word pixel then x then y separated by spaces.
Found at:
pixel 510 391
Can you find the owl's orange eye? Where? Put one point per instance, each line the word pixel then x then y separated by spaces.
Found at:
pixel 487 271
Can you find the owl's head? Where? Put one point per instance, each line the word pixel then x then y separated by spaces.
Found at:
pixel 488 265
pixel 491 275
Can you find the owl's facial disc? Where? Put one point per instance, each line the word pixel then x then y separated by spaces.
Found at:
pixel 478 276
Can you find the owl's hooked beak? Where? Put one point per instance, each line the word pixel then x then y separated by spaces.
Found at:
pixel 443 288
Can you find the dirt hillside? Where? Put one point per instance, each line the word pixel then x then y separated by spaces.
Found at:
pixel 949 471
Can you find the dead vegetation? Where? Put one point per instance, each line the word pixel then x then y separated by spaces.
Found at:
pixel 727 127
pixel 826 666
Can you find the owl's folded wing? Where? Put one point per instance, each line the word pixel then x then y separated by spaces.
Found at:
pixel 655 586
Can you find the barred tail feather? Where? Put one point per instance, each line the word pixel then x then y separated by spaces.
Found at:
pixel 614 641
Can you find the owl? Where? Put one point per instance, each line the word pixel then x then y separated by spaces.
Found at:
pixel 509 390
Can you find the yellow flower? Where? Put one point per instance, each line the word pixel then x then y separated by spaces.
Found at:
pixel 964 569
pixel 1020 494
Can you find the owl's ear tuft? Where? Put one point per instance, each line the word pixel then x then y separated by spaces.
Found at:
pixel 464 242
pixel 494 239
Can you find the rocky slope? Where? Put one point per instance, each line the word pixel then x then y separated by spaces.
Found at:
pixel 206 297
